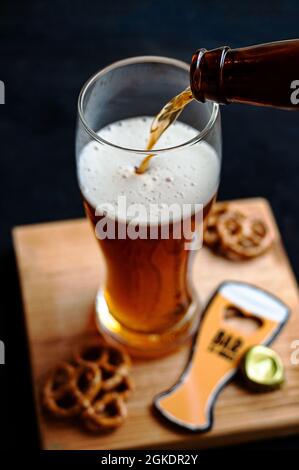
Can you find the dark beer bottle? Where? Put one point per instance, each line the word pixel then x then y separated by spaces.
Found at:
pixel 264 75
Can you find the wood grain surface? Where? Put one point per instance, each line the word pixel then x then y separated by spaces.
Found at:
pixel 61 268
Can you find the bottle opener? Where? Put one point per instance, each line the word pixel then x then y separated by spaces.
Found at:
pixel 238 316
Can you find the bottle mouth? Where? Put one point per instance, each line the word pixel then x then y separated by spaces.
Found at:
pixel 137 60
pixel 195 73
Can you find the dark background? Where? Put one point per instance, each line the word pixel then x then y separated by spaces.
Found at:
pixel 47 50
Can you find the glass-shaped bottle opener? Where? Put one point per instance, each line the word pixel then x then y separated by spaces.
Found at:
pixel 238 316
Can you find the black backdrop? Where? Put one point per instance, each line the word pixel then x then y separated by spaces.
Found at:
pixel 47 50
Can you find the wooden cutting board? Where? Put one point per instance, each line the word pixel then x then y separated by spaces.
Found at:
pixel 60 270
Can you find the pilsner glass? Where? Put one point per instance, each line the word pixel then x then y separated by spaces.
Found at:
pixel 147 303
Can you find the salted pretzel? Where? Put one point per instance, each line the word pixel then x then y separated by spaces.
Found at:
pixel 243 236
pixel 107 413
pixel 58 398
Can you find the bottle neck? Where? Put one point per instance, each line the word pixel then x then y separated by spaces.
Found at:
pixel 264 75
pixel 206 75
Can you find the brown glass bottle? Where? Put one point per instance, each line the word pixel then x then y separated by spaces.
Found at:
pixel 264 75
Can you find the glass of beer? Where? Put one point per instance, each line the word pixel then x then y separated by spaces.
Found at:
pixel 148 303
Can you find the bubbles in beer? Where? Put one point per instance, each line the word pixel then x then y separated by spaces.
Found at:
pixel 184 176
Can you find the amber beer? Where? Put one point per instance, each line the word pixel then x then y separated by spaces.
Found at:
pixel 147 285
pixel 148 296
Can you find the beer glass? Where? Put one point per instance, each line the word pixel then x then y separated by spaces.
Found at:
pixel 147 303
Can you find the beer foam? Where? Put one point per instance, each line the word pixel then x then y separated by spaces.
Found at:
pixel 188 175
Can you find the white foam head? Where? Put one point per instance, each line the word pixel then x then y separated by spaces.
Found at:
pixel 189 175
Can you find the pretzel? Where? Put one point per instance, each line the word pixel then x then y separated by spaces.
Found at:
pixel 117 383
pixel 68 390
pixel 111 377
pixel 102 354
pixel 105 414
pixel 116 361
pixel 243 236
pixel 218 209
pixel 211 235
pixel 86 383
pixel 234 234
pixel 57 395
pixel 94 352
pixel 120 384
pixel 93 385
pixel 124 388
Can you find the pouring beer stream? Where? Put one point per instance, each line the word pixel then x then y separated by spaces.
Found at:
pixel 168 115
